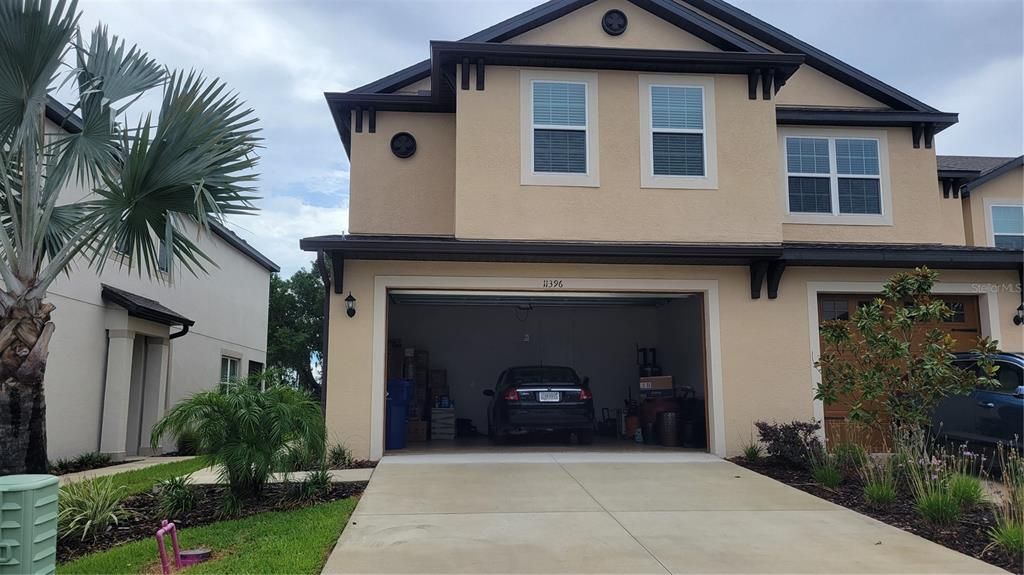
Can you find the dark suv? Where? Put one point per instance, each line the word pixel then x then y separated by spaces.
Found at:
pixel 540 398
pixel 986 416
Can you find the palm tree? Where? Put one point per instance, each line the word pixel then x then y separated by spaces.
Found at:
pixel 150 183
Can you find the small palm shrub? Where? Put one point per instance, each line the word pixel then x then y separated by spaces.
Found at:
pixel 82 462
pixel 880 485
pixel 791 442
pixel 174 496
pixel 249 433
pixel 339 456
pixel 966 490
pixel 316 484
pixel 89 508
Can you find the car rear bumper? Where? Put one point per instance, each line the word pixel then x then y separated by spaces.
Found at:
pixel 547 419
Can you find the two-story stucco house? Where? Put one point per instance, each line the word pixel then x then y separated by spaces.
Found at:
pixel 590 180
pixel 127 347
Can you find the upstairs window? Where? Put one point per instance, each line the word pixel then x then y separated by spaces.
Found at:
pixel 559 137
pixel 834 176
pixel 677 115
pixel 1008 227
pixel 560 127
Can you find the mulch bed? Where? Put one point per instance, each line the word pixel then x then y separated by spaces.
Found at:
pixel 358 464
pixel 142 518
pixel 969 536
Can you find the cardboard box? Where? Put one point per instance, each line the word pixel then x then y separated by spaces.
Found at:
pixel 416 430
pixel 656 382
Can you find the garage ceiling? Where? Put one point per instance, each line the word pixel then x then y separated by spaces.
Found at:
pixel 530 300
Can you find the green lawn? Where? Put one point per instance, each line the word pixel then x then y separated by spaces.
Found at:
pixel 295 541
pixel 143 480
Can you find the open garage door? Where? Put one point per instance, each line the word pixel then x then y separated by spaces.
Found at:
pixel 483 366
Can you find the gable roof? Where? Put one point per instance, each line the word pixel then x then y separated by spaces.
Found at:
pixel 677 12
pixel 61 115
pixel 993 173
pixel 979 164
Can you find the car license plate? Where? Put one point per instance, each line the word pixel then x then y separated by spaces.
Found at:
pixel 548 396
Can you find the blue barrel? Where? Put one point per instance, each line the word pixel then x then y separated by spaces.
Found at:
pixel 397 413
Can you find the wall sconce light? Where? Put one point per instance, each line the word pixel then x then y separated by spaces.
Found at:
pixel 1019 318
pixel 350 305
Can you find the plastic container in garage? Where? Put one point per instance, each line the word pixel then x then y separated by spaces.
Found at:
pixel 28 524
pixel 397 413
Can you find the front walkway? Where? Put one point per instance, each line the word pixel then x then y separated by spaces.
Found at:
pixel 587 512
pixel 120 468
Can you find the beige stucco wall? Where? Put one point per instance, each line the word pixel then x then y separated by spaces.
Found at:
pixel 763 377
pixel 1006 189
pixel 809 87
pixel 491 203
pixel 412 196
pixel 583 28
pixel 229 306
pixel 919 212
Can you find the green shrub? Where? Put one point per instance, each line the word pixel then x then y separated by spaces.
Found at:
pixel 316 484
pixel 339 456
pixel 879 479
pixel 185 443
pixel 61 466
pixel 825 469
pixel 249 433
pixel 174 496
pixel 938 508
pixel 89 507
pixel 1008 532
pixel 792 443
pixel 966 490
pixel 82 462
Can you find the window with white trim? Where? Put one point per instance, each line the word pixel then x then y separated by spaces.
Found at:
pixel 677 112
pixel 1008 226
pixel 833 175
pixel 559 137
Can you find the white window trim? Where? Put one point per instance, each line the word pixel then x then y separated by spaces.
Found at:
pixel 836 218
pixel 648 179
pixel 990 222
pixel 234 356
pixel 528 177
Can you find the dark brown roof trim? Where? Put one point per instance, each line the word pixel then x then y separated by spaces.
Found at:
pixel 423 248
pixel 792 115
pixel 243 246
pixel 451 249
pixel 61 115
pixel 994 173
pixel 677 14
pixel 143 307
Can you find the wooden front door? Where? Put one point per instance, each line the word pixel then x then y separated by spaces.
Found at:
pixel 964 325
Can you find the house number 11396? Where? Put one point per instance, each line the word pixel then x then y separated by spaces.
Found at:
pixel 553 284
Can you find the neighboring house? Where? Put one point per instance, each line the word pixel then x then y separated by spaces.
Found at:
pixel 992 192
pixel 127 348
pixel 592 178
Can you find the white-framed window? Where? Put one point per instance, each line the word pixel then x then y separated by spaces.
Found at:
pixel 1007 225
pixel 559 136
pixel 677 113
pixel 835 177
pixel 229 370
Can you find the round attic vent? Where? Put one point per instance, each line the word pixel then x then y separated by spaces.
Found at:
pixel 614 22
pixel 403 145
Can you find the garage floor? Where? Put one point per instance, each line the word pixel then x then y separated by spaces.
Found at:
pixel 589 512
pixel 532 445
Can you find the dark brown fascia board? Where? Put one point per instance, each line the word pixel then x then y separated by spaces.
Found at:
pixel 142 307
pixel 900 256
pixel 221 231
pixel 445 55
pixel 958 174
pixel 61 115
pixel 669 10
pixel 994 173
pixel 821 61
pixel 791 115
pixel 449 249
pixel 680 61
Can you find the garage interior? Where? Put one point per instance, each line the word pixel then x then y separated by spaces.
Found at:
pixel 450 346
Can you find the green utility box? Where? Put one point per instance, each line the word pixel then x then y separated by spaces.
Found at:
pixel 28 524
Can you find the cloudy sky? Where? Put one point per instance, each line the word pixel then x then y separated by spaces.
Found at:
pixel 957 55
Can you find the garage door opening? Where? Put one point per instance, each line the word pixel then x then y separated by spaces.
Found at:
pixel 641 356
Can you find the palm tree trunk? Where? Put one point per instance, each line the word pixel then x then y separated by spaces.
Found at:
pixel 25 331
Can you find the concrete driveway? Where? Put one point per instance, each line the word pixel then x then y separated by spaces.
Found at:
pixel 579 512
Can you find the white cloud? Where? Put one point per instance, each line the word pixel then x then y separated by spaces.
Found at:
pixel 990 101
